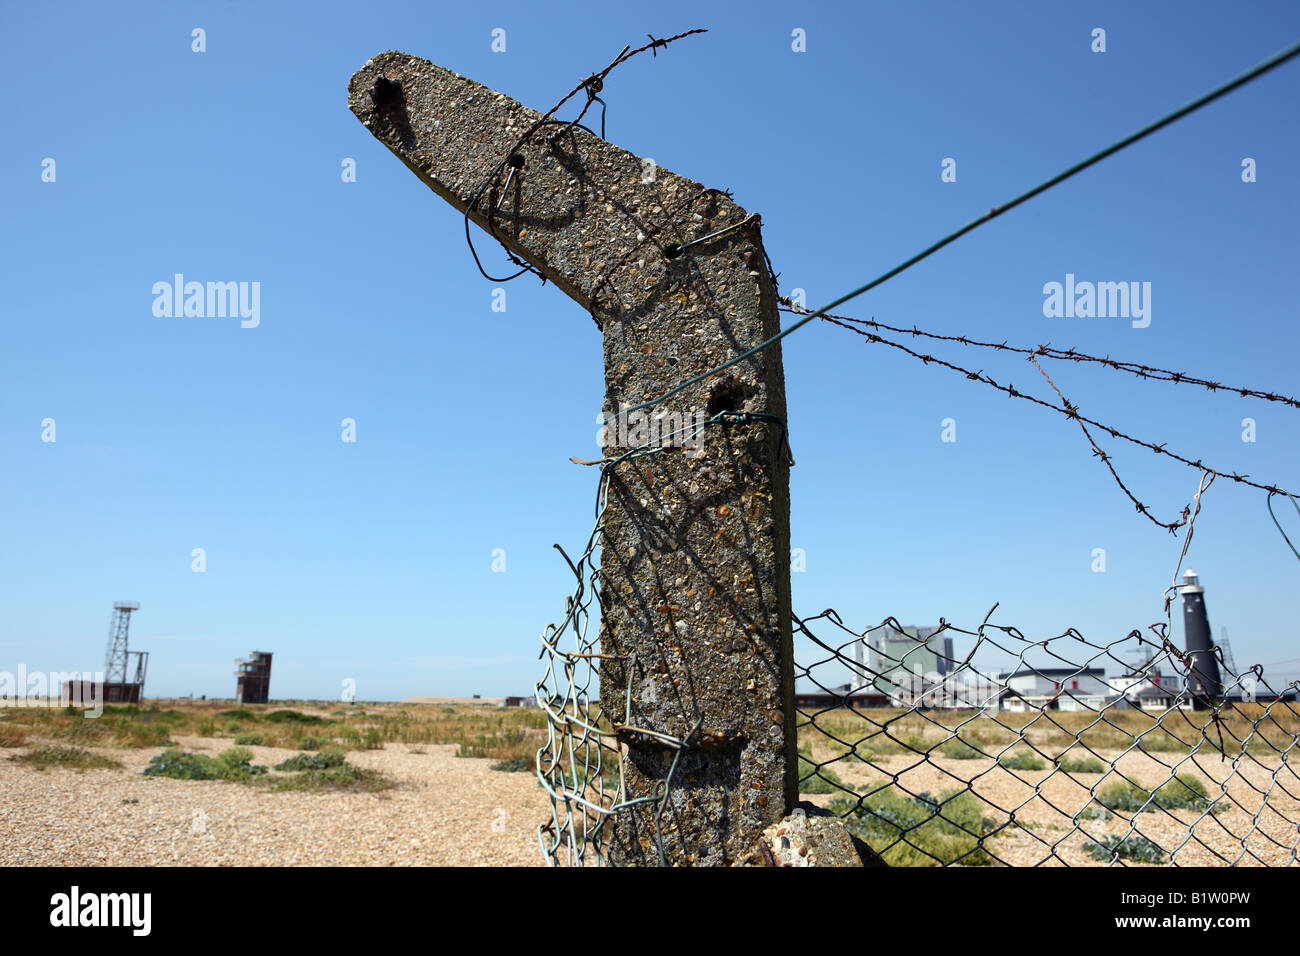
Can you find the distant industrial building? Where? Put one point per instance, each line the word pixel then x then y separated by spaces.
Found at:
pixel 901 665
pixel 254 678
pixel 518 702
pixel 123 683
pixel 916 667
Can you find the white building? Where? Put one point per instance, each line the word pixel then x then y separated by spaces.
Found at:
pixel 1055 688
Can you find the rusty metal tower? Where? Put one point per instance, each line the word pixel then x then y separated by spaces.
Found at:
pixel 118 632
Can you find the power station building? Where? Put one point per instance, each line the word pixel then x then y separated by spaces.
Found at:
pixel 901 665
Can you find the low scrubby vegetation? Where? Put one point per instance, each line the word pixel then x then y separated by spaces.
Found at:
pixel 1182 792
pixel 292 717
pixel 1080 764
pixel 1135 848
pixel 324 760
pixel 1021 760
pixel 1093 812
pixel 327 770
pixel 234 764
pixel 343 777
pixel 959 749
pixel 814 779
pixel 478 731
pixel 515 765
pixel 920 830
pixel 67 758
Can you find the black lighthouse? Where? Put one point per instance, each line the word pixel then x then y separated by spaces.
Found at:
pixel 1203 679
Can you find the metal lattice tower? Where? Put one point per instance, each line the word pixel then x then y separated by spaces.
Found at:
pixel 115 663
pixel 1227 651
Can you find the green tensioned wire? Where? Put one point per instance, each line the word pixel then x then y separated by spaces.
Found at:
pixel 1257 71
pixel 1280 529
pixel 573 761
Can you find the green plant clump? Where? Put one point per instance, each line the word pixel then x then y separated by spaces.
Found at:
pixel 1021 760
pixel 514 765
pixel 1183 792
pixel 959 749
pixel 814 779
pixel 1095 813
pixel 238 715
pixel 293 717
pixel 343 776
pixel 321 761
pixel 920 830
pixel 234 764
pixel 1133 847
pixel 1081 765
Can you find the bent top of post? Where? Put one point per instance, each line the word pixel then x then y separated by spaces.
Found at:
pixel 589 216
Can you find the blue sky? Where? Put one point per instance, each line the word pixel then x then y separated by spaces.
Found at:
pixel 372 560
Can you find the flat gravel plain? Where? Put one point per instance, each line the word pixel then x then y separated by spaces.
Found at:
pixel 445 811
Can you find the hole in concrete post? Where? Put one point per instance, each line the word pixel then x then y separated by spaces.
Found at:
pixel 386 93
pixel 390 109
pixel 727 397
pixel 672 250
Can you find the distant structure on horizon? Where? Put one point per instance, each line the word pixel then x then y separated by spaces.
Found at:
pixel 1203 684
pixel 117 689
pixel 916 667
pixel 254 678
pixel 896 664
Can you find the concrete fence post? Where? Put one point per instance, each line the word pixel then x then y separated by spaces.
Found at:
pixel 696 544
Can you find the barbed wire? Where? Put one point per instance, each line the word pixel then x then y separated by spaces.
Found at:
pixel 582 741
pixel 593 84
pixel 1201 101
pixel 1072 412
pixel 1047 351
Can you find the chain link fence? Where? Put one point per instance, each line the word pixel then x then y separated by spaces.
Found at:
pixel 943 746
pixel 952 747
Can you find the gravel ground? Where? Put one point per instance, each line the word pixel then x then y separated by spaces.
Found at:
pixel 446 811
pixel 1258 832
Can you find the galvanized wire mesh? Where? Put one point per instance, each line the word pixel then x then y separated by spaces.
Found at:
pixel 1011 751
pixel 579 764
pixel 963 747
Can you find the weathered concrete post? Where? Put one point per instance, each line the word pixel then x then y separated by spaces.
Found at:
pixel 695 552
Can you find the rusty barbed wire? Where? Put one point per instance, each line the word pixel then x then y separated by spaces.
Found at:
pixel 1013 392
pixel 1073 412
pixel 1071 355
pixel 571 765
pixel 593 84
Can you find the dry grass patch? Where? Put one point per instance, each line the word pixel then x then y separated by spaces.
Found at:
pixel 67 758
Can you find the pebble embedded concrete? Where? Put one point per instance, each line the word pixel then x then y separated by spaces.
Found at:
pixel 695 551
